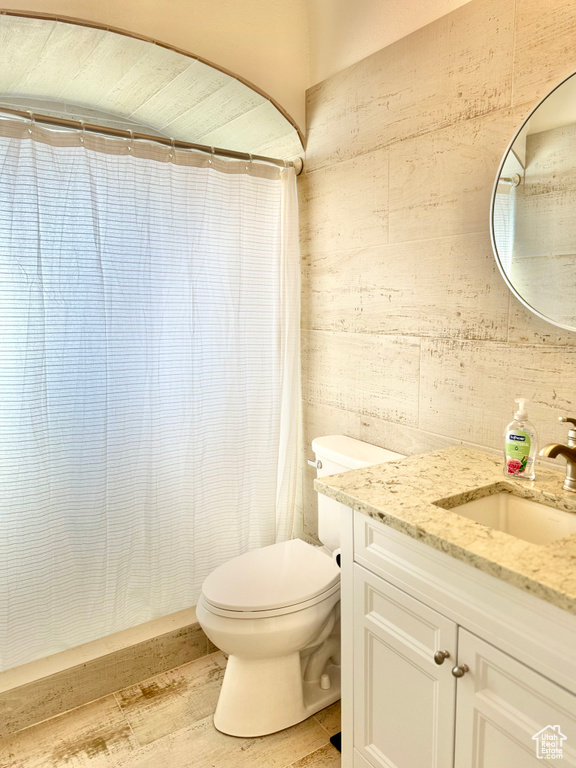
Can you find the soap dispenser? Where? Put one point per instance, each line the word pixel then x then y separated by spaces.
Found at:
pixel 520 444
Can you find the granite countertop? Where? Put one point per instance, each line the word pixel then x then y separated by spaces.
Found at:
pixel 404 495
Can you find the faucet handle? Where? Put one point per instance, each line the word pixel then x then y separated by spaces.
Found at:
pixel 572 431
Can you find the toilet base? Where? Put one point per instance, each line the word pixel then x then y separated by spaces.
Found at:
pixel 262 696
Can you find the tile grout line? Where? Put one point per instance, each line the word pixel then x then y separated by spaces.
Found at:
pixel 514 41
pixel 158 674
pixel 425 132
pixel 313 253
pixel 326 731
pixel 303 757
pixel 127 721
pixel 55 717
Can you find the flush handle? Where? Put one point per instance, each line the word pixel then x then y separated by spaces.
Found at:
pixel 441 656
pixel 460 670
pixel 315 464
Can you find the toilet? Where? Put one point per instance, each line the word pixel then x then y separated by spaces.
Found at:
pixel 276 612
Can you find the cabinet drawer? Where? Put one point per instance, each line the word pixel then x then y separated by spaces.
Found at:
pixel 509 618
pixel 376 549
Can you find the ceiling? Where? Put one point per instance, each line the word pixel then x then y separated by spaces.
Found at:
pixel 65 69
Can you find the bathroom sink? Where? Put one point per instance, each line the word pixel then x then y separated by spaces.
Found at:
pixel 519 517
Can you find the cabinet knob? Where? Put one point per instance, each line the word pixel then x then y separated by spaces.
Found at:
pixel 439 656
pixel 460 670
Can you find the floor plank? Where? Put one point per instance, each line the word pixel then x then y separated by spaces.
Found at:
pixel 202 746
pixel 166 722
pixel 95 735
pixel 325 757
pixel 173 700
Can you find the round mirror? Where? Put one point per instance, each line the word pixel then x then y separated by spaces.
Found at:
pixel 533 214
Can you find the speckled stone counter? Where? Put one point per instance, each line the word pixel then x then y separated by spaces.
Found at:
pixel 405 495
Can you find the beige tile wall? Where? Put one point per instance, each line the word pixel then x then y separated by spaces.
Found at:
pixel 411 339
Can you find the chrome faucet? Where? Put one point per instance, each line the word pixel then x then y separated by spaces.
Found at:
pixel 568 451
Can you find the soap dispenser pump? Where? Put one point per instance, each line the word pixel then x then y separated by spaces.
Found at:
pixel 520 444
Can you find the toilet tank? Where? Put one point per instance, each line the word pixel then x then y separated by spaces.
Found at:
pixel 335 454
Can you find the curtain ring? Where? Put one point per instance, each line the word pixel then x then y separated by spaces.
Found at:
pixel 32 121
pixel 83 131
pixel 172 148
pixel 212 153
pixel 131 140
pixel 249 162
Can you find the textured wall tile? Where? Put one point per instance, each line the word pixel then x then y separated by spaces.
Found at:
pixel 527 328
pixel 445 132
pixel 322 420
pixel 544 49
pixel 444 287
pixel 456 68
pixel 332 128
pixel 441 183
pixel 468 388
pixel 346 205
pixel 370 374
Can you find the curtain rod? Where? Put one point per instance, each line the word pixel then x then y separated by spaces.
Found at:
pixel 298 164
pixel 511 181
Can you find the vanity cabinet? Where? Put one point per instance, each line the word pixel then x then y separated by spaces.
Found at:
pixel 403 701
pixel 402 603
pixel 501 705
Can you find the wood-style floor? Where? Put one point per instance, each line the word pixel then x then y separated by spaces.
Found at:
pixel 166 722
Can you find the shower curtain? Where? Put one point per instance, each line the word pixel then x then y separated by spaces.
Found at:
pixel 149 304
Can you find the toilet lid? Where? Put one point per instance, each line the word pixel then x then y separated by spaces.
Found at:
pixel 277 576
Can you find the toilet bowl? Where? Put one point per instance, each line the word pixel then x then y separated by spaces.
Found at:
pixel 276 612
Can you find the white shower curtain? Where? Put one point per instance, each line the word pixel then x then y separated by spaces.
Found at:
pixel 149 353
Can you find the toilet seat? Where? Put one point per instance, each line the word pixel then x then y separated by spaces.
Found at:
pixel 281 611
pixel 271 581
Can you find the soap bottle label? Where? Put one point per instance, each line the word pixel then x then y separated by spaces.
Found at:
pixel 517 452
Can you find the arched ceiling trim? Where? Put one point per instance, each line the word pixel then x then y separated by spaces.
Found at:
pixel 188 98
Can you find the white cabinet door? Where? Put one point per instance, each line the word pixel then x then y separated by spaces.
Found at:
pixel 403 701
pixel 502 705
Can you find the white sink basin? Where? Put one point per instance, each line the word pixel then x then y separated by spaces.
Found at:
pixel 518 517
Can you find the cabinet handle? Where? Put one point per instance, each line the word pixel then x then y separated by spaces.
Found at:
pixel 440 656
pixel 460 670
